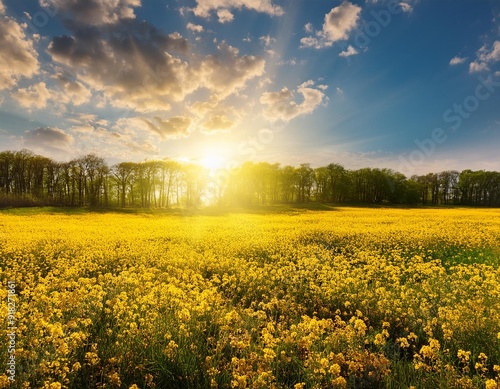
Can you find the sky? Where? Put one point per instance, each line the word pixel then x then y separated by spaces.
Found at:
pixel 411 85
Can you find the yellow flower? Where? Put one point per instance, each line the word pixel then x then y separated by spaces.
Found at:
pixel 339 382
pixel 92 358
pixel 360 326
pixel 379 340
pixel 403 342
pixel 430 351
pixel 269 354
pixel 76 366
pixel 171 349
pixel 4 381
pixel 149 379
pixel 52 385
pixel 114 379
pixel 335 369
pixel 464 356
pixel 249 286
pixel 491 384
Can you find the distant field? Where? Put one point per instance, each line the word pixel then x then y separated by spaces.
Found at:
pixel 276 298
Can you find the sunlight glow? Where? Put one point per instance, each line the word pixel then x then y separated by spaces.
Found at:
pixel 212 162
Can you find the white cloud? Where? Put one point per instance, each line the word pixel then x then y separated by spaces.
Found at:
pixel 135 68
pixel 225 72
pixel 82 118
pixel 218 123
pixel 349 52
pixel 406 7
pixel 340 21
pixel 74 92
pixel 490 55
pixel 204 8
pixel 215 115
pixel 48 139
pixel 18 57
pixel 142 69
pixel 225 16
pixel 2 8
pixel 310 41
pixel 308 28
pixel 485 57
pixel 477 66
pixel 282 106
pixel 338 24
pixel 194 27
pixel 267 40
pixel 128 137
pixel 94 12
pixel 457 60
pixel 33 97
pixel 175 127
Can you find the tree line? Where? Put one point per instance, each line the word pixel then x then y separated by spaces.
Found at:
pixel 30 179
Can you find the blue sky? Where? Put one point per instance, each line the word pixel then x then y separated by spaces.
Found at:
pixel 412 85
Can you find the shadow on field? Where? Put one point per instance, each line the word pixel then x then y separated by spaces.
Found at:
pixel 180 211
pixel 218 210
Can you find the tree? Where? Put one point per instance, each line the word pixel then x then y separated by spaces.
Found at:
pixel 170 172
pixel 337 182
pixel 287 178
pixel 305 181
pixel 122 173
pixel 30 179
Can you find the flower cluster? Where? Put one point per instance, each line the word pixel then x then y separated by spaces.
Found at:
pixel 348 298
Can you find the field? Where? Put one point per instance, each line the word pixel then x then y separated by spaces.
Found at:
pixel 281 298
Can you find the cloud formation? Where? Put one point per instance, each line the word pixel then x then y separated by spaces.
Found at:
pixel 348 52
pixel 282 106
pixel 33 97
pixel 406 7
pixel 194 27
pixel 73 91
pixel 338 24
pixel 130 63
pixel 126 137
pixel 94 12
pixel 138 67
pixel 215 115
pixel 18 57
pixel 457 60
pixel 340 21
pixel 204 8
pixel 226 72
pixel 48 139
pixel 175 127
pixel 485 58
pixel 225 16
pixel 218 123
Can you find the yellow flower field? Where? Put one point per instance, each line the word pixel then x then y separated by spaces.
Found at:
pixel 350 297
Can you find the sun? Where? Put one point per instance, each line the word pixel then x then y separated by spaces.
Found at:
pixel 212 162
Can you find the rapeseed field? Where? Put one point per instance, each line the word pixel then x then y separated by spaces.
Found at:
pixel 346 298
